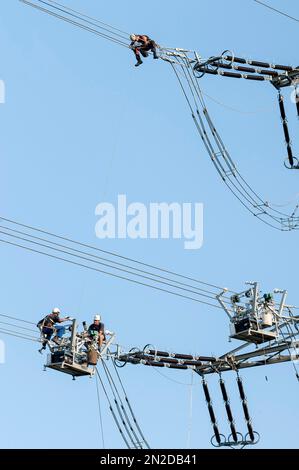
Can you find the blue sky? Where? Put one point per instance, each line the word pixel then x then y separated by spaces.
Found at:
pixel 81 125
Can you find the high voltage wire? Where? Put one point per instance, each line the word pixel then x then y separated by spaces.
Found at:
pixel 81 17
pixel 129 405
pixel 95 258
pixel 17 319
pixel 128 425
pixel 111 409
pixel 155 280
pixel 100 413
pixel 156 277
pixel 98 31
pixel 124 33
pixel 56 6
pixel 108 273
pixel 17 326
pixel 277 11
pixel 104 264
pixel 111 253
pixel 19 335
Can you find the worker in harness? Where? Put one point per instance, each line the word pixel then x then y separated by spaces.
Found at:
pixel 96 331
pixel 95 336
pixel 142 44
pixel 50 324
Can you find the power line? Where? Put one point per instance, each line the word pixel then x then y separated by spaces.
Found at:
pixel 121 409
pixel 95 259
pixel 171 379
pixel 90 18
pixel 111 253
pixel 78 24
pixel 17 326
pixel 108 273
pixel 17 319
pixel 19 335
pixel 235 110
pixel 107 265
pixel 277 11
pixel 112 410
pixel 129 406
pixel 79 16
pixel 100 413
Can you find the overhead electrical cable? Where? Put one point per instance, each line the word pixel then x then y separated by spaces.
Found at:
pixel 106 265
pixel 99 31
pixel 125 33
pixel 117 255
pixel 100 413
pixel 18 335
pixel 130 407
pixel 17 319
pixel 137 441
pixel 119 427
pixel 105 272
pixel 277 11
pixel 155 278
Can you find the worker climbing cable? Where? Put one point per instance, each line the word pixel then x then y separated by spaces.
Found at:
pixel 142 44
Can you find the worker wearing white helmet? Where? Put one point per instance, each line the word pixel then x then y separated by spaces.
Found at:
pixel 51 323
pixel 96 330
pixel 142 44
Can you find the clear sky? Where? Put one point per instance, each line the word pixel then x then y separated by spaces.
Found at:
pixel 81 125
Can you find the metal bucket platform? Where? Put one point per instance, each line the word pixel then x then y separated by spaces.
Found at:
pixel 65 363
pixel 255 336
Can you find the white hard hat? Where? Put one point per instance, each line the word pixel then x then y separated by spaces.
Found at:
pixel 56 310
pixel 97 317
pixel 133 37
